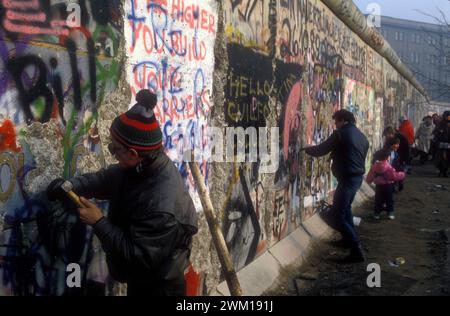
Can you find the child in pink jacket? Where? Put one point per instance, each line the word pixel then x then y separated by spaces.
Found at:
pixel 384 176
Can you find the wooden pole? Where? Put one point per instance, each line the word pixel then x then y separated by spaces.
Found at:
pixel 216 232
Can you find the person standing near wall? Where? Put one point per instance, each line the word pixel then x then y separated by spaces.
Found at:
pixel 424 136
pixel 348 147
pixel 147 236
pixel 442 137
pixel 407 129
pixel 436 122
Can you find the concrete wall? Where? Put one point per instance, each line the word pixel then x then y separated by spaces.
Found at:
pixel 249 63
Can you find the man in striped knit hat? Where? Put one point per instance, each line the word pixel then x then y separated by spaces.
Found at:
pixel 147 235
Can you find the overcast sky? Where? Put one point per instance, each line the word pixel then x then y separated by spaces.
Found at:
pixel 407 9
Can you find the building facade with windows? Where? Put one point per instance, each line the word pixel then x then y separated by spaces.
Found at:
pixel 425 49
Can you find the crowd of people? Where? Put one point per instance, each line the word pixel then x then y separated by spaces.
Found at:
pixel 391 164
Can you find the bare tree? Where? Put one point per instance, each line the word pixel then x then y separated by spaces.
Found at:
pixel 438 85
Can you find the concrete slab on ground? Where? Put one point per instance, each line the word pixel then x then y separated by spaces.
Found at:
pixel 256 277
pixel 317 228
pixel 292 249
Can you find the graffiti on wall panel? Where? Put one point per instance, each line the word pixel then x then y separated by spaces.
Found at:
pixel 242 230
pixel 325 88
pixel 328 36
pixel 44 92
pixel 21 239
pixel 375 76
pixel 50 21
pixel 50 73
pixel 289 88
pixel 170 48
pixel 360 100
pixel 289 92
pixel 377 141
pixel 248 88
pixel 356 100
pixel 292 34
pixel 247 23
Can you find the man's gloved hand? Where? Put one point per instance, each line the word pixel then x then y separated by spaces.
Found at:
pixel 54 190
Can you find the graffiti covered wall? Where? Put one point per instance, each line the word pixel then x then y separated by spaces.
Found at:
pixel 54 77
pixel 291 64
pixel 235 63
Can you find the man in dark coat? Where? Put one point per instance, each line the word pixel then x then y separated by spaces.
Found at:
pixel 442 138
pixel 147 235
pixel 348 147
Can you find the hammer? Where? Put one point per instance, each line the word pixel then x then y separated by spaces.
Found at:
pixel 68 187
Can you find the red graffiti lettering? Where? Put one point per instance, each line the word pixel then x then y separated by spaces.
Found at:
pixel 162 3
pixel 175 44
pixel 135 33
pixel 193 16
pixel 148 39
pixel 27 17
pixel 33 30
pixel 33 4
pixel 18 21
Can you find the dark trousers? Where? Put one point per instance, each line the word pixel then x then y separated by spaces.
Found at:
pixel 423 157
pixel 443 161
pixel 342 208
pixel 433 149
pixel 384 194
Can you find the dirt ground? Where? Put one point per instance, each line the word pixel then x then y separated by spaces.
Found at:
pixel 420 234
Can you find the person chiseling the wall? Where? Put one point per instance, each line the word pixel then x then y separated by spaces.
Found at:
pixel 147 236
pixel 348 147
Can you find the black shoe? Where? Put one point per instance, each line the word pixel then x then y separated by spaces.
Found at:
pixel 356 256
pixel 340 244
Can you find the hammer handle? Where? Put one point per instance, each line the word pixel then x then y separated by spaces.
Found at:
pixel 75 198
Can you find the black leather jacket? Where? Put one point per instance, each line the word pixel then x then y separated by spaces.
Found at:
pixel 147 235
pixel 348 147
pixel 442 133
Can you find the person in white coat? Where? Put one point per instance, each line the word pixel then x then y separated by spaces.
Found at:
pixel 424 135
